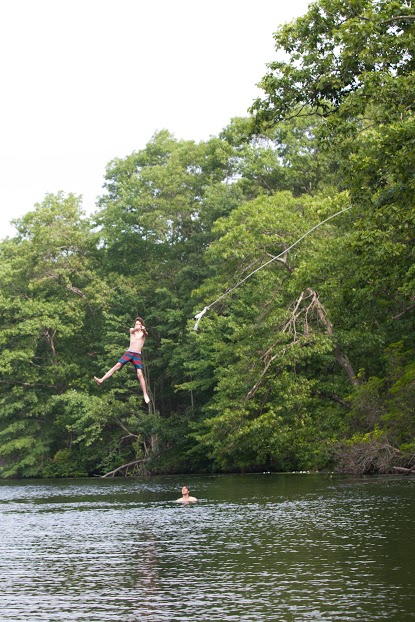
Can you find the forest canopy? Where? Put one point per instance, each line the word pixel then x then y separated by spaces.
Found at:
pixel 308 363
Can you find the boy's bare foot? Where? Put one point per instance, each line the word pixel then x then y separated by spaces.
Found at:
pixel 97 380
pixel 147 399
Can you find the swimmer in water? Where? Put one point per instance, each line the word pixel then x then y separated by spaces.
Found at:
pixel 186 498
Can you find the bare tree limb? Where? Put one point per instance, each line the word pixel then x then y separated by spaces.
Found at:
pixel 121 424
pixel 76 291
pixel 397 18
pixel 404 470
pixel 298 325
pixel 49 335
pixel 282 260
pixel 404 312
pixel 124 466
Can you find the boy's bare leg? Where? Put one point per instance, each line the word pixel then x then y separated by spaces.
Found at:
pixel 142 382
pixel 108 374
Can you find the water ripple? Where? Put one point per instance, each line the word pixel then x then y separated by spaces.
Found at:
pixel 278 548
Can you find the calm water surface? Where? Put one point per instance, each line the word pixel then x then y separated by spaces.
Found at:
pixel 277 548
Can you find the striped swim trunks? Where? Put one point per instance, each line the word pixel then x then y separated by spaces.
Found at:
pixel 132 357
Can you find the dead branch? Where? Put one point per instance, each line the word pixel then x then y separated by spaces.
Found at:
pixel 258 383
pixel 69 287
pixel 344 362
pixel 397 18
pixel 404 470
pixel 282 260
pixel 341 358
pixel 297 312
pixel 49 336
pixel 298 325
pixel 124 466
pixel 76 291
pixel 375 456
pixel 121 424
pixel 404 312
pixel 334 398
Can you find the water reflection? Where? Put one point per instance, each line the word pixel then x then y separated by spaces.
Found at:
pixel 147 585
pixel 273 548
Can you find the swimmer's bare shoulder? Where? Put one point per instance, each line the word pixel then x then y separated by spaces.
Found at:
pixel 186 498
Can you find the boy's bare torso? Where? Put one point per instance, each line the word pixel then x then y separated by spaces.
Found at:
pixel 137 339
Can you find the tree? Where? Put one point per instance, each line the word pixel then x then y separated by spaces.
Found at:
pixel 352 64
pixel 45 275
pixel 269 348
pixel 286 156
pixel 155 222
pixel 341 53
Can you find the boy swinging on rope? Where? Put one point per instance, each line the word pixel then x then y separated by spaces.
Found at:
pixel 138 336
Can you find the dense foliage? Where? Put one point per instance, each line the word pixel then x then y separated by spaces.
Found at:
pixel 309 362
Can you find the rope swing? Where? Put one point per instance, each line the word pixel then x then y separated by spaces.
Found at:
pixel 199 315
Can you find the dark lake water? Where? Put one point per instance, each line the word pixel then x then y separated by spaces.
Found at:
pixel 277 548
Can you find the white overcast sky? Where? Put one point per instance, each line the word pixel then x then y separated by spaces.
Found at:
pixel 85 81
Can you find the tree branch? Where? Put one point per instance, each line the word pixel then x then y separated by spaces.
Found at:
pixel 404 470
pixel 120 423
pixel 404 312
pixel 303 311
pixel 282 260
pixel 124 466
pixel 398 17
pixel 75 290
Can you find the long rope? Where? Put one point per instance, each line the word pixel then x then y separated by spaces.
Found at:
pixel 199 315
